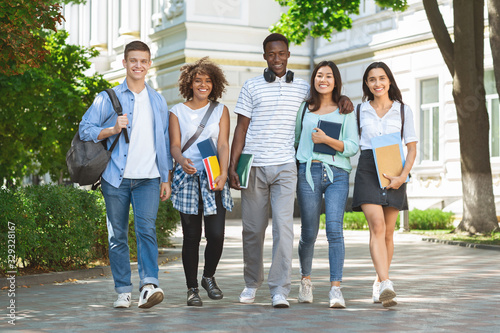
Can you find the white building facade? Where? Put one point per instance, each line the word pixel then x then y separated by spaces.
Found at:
pixel 231 33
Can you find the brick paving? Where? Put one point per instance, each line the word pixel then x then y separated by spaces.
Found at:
pixel 441 288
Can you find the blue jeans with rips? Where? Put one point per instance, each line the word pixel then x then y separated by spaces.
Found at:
pixel 310 201
pixel 144 195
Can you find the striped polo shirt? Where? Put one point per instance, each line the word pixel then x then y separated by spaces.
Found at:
pixel 272 108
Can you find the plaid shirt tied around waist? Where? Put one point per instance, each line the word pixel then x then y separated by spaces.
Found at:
pixel 185 193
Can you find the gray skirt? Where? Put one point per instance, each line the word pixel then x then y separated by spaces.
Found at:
pixel 367 189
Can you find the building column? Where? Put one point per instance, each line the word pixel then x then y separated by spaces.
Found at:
pixel 130 18
pixel 99 29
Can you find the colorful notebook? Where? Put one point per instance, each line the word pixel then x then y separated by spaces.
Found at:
pixel 243 169
pixel 209 154
pixel 212 168
pixel 332 130
pixel 389 156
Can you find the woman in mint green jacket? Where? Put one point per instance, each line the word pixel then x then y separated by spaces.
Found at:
pixel 321 174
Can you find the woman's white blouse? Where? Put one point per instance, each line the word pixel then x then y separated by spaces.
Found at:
pixel 372 125
pixel 189 120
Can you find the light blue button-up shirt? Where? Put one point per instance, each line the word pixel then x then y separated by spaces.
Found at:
pixel 101 115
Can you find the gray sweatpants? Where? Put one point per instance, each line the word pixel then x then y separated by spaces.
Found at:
pixel 276 184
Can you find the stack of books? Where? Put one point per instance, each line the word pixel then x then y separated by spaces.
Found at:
pixel 210 162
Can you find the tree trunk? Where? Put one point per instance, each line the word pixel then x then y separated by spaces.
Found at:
pixel 469 95
pixel 494 23
pixel 464 58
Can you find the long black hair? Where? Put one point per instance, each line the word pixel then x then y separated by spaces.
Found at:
pixel 314 95
pixel 394 92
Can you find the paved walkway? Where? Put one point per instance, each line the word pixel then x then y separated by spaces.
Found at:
pixel 441 288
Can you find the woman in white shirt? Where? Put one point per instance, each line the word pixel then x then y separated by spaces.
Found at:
pixel 201 84
pixel 380 114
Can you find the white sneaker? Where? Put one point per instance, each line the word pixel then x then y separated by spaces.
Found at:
pixel 150 296
pixel 123 300
pixel 376 292
pixel 391 302
pixel 305 291
pixel 336 298
pixel 387 293
pixel 279 301
pixel 248 295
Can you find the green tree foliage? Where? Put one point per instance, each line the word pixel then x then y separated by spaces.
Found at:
pixel 319 18
pixel 41 108
pixel 21 37
pixel 23 28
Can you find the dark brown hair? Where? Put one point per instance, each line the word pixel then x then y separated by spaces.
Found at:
pixel 314 95
pixel 136 45
pixel 202 66
pixel 394 92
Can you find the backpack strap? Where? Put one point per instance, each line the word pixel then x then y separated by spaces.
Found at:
pixel 402 119
pixel 201 127
pixel 118 109
pixel 298 125
pixel 306 105
pixel 358 108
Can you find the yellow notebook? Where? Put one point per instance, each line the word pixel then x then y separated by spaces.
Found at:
pixel 212 168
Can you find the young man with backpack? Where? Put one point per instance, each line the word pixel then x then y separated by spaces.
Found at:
pixel 137 173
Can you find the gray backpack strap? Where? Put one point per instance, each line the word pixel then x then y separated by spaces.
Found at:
pixel 201 127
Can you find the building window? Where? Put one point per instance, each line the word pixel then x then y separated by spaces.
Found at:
pixel 362 7
pixel 492 104
pixel 429 120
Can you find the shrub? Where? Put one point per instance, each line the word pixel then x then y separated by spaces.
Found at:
pixel 429 219
pixel 355 220
pixel 55 225
pixel 10 211
pixel 61 227
pixel 166 223
pixel 352 220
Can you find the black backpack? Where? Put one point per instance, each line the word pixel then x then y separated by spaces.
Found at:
pixel 87 160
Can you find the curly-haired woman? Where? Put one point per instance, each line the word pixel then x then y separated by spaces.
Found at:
pixel 201 84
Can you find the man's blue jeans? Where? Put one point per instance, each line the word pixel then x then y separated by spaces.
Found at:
pixel 310 201
pixel 144 194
